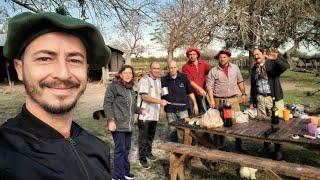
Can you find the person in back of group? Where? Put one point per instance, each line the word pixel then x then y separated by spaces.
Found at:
pixel 265 84
pixel 120 106
pixel 196 70
pixel 223 82
pixel 51 54
pixel 179 89
pixel 149 98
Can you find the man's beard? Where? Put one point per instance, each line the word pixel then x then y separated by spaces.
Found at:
pixel 33 91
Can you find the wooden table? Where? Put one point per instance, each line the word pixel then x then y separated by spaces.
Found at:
pixel 255 130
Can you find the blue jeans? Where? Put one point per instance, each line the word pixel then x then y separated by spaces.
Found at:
pixel 122 143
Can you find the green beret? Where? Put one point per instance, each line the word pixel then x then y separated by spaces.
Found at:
pixel 25 27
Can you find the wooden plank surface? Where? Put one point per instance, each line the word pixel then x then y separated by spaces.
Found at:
pixel 278 167
pixel 255 130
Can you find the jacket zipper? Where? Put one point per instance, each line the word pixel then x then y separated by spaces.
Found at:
pixel 130 109
pixel 73 144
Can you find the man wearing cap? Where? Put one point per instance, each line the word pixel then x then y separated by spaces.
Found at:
pixel 223 82
pixel 51 54
pixel 265 84
pixel 196 70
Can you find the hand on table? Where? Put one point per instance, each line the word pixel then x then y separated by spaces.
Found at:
pixel 212 104
pixel 196 109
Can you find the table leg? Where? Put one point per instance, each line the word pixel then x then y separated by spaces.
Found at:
pixel 187 138
pixel 176 166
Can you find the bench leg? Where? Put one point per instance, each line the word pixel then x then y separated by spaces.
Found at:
pixel 187 138
pixel 272 174
pixel 176 166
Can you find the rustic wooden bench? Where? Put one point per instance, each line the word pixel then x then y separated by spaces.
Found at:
pixel 179 152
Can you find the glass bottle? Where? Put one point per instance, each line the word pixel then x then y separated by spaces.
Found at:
pixel 274 112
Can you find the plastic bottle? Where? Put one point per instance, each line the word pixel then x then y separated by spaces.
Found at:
pixel 227 114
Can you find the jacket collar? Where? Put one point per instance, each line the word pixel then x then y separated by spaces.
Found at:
pixel 40 129
pixel 169 77
pixel 200 61
pixel 229 65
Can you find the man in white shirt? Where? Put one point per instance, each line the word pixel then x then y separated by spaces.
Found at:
pixel 149 98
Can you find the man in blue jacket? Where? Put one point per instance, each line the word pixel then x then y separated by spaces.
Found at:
pixel 180 90
pixel 51 54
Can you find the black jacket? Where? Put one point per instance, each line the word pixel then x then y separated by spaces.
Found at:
pixel 274 69
pixel 179 89
pixel 30 149
pixel 120 104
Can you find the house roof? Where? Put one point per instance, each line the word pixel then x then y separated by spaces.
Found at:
pixel 114 49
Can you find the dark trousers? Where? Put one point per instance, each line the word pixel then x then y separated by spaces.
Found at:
pixel 277 147
pixel 202 104
pixel 147 130
pixel 122 143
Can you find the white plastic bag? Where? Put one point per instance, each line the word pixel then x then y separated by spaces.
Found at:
pixel 241 117
pixel 211 119
pixel 252 112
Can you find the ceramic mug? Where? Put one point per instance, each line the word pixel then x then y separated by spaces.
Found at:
pixel 164 91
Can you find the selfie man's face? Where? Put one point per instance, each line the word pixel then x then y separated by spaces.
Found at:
pixel 54 69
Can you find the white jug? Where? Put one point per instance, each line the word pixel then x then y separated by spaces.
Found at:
pixel 317 133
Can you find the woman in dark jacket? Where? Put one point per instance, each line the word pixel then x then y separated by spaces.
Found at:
pixel 120 106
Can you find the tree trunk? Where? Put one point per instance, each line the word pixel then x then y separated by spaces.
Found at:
pixel 289 52
pixel 127 59
pixel 251 63
pixel 170 54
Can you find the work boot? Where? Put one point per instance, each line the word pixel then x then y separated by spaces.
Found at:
pixel 129 177
pixel 265 148
pixel 239 147
pixel 144 163
pixel 277 152
pixel 151 157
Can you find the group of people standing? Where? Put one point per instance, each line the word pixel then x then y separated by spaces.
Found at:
pixel 52 53
pixel 190 92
